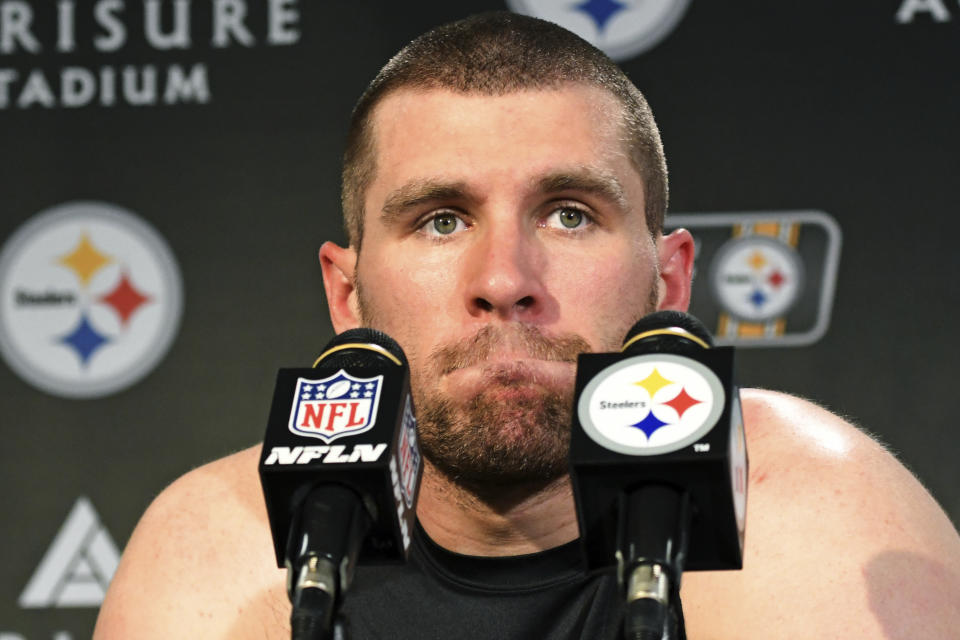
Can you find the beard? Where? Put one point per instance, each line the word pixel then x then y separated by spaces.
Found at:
pixel 487 443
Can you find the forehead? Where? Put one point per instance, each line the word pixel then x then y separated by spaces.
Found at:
pixel 427 134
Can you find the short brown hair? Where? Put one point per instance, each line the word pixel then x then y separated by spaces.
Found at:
pixel 495 54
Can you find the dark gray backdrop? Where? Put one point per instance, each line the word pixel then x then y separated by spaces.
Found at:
pixel 762 106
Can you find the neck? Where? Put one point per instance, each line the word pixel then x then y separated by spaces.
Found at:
pixel 512 521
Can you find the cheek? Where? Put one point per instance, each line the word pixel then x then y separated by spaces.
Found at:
pixel 606 295
pixel 407 301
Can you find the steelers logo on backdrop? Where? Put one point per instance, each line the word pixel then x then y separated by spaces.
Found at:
pixel 766 278
pixel 651 404
pixel 90 299
pixel 757 278
pixel 620 28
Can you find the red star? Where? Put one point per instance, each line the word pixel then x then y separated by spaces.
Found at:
pixel 776 279
pixel 125 299
pixel 682 402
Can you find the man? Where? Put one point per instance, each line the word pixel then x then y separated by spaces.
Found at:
pixel 504 193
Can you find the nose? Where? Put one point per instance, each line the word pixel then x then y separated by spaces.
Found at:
pixel 504 273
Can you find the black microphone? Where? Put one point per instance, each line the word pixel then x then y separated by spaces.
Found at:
pixel 658 463
pixel 340 470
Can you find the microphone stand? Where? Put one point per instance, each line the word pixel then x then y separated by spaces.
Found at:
pixel 653 534
pixel 321 556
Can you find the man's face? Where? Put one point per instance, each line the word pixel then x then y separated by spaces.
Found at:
pixel 503 235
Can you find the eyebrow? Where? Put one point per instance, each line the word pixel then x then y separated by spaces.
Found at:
pixel 416 193
pixel 586 180
pixel 419 192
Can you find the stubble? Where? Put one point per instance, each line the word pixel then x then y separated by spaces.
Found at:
pixel 487 443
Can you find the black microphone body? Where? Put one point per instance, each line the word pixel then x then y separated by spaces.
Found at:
pixel 620 440
pixel 340 470
pixel 658 464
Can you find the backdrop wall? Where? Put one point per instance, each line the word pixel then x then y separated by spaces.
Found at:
pixel 169 169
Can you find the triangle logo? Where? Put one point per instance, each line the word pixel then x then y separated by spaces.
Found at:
pixel 77 567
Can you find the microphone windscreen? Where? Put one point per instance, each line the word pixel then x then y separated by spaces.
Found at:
pixel 665 320
pixel 361 346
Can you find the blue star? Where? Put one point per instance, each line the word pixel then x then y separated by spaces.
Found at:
pixel 84 340
pixel 649 424
pixel 758 298
pixel 600 10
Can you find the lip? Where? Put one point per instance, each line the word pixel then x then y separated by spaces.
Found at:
pixel 507 371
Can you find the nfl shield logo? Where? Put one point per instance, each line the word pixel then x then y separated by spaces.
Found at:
pixel 341 405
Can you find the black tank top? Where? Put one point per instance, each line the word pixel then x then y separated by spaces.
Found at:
pixel 443 595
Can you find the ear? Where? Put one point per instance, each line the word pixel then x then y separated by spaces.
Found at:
pixel 676 252
pixel 339 267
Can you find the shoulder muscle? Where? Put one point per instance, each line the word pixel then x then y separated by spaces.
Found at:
pixel 842 541
pixel 200 562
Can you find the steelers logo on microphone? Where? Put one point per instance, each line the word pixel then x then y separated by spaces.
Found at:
pixel 90 299
pixel 651 404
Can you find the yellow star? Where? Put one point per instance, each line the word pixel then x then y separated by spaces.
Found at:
pixel 757 260
pixel 85 259
pixel 653 382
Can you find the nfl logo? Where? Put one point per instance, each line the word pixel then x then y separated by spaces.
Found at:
pixel 341 405
pixel 409 455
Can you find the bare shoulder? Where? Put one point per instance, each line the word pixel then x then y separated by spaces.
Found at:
pixel 200 562
pixel 800 448
pixel 842 540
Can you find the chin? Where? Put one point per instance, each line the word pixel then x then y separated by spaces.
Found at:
pixel 514 433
